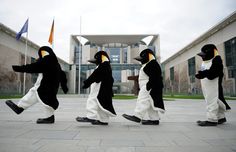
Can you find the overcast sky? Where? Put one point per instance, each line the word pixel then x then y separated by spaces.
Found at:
pixel 178 22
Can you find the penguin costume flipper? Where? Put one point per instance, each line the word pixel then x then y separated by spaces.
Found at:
pixel 216 69
pixel 96 76
pixel 36 67
pixel 153 70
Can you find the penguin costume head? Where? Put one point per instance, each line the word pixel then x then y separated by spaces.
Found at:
pixel 208 52
pixel 99 58
pixel 145 56
pixel 46 52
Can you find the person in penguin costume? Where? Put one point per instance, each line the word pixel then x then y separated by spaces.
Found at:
pixel 99 103
pixel 211 75
pixel 46 87
pixel 150 99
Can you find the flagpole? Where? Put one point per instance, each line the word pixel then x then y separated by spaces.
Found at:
pixel 53 33
pixel 26 50
pixel 80 51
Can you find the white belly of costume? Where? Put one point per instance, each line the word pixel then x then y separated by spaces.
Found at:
pixel 92 103
pixel 144 94
pixel 209 87
pixel 210 90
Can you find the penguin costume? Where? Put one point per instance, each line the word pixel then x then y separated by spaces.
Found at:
pixel 46 87
pixel 150 99
pixel 99 103
pixel 211 75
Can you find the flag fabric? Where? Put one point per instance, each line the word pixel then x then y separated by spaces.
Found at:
pixel 51 36
pixel 24 29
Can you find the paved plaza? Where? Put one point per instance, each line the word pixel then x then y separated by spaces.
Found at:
pixel 177 131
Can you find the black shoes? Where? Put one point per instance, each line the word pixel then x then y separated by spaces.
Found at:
pixel 132 118
pixel 84 119
pixel 14 107
pixel 48 120
pixel 138 120
pixel 92 121
pixel 209 123
pixel 221 121
pixel 206 123
pixel 97 122
pixel 150 122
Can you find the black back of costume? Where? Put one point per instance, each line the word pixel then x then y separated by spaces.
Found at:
pixel 155 84
pixel 103 74
pixel 52 76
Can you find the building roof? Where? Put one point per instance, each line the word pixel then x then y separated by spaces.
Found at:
pixel 123 39
pixel 225 22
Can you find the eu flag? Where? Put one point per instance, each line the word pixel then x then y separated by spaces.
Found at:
pixel 24 29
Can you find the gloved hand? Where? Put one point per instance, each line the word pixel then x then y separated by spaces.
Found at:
pixel 65 89
pixel 201 74
pixel 16 68
pixel 86 85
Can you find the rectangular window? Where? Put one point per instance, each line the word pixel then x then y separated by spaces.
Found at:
pixel 191 66
pixel 125 56
pixel 33 75
pixel 172 74
pixel 114 55
pixel 191 69
pixel 230 56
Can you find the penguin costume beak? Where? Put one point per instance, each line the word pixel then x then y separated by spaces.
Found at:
pixel 93 61
pixel 138 58
pixel 202 54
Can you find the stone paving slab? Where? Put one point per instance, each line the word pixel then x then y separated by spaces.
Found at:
pixel 177 131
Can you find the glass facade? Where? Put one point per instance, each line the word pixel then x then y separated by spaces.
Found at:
pixel 76 55
pixel 114 54
pixel 118 55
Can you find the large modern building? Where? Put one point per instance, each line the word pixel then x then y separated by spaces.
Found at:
pixel 121 49
pixel 180 69
pixel 13 53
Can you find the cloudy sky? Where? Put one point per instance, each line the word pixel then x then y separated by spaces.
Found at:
pixel 178 22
